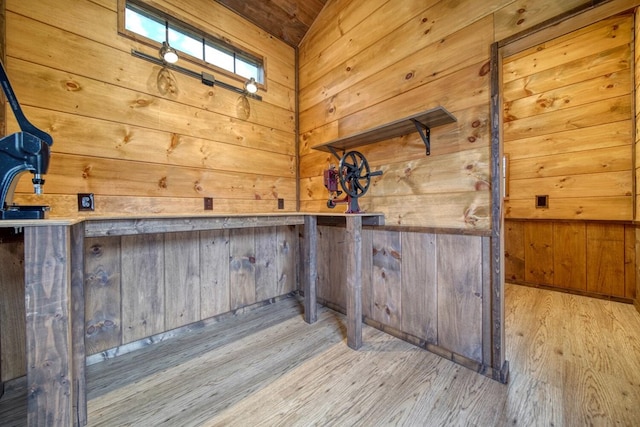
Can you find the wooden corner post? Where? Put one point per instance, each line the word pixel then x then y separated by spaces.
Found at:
pixel 311 270
pixel 354 281
pixel 54 325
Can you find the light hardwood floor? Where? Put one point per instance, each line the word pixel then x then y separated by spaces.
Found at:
pixel 575 361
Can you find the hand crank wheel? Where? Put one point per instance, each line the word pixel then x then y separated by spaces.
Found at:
pixel 354 174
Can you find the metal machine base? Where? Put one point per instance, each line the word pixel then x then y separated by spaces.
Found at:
pixel 24 212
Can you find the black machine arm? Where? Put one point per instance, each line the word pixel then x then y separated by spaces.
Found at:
pixel 28 150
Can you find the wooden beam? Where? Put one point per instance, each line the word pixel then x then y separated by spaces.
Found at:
pixel 311 270
pixel 353 246
pixel 53 384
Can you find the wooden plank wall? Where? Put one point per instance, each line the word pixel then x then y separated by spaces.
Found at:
pixel 363 64
pixel 142 285
pixel 137 148
pixel 428 286
pixel 568 125
pixel 593 258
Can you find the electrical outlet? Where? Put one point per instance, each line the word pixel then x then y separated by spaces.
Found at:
pixel 208 203
pixel 280 203
pixel 86 202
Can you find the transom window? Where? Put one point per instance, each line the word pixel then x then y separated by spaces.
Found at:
pixel 154 26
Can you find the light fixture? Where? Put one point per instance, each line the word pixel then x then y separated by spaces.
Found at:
pixel 167 53
pixel 251 86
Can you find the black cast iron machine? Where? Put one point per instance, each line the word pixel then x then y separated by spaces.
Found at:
pixel 353 174
pixel 27 150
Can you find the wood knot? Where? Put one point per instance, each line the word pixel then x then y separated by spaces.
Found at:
pixel 72 86
pixel 96 250
pixel 472 139
pixel 331 110
pixel 198 187
pixel 387 310
pixel 86 172
pixel 476 124
pixel 425 20
pixel 163 182
pixel 484 70
pixel 257 197
pixel 409 76
pixel 252 259
pixel 522 10
pixel 520 22
pixel 348 68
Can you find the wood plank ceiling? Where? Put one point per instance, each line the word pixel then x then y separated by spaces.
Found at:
pixel 287 20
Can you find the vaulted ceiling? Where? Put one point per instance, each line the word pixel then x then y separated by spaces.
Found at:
pixel 287 20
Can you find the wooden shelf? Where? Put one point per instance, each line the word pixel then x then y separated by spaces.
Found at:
pixel 431 118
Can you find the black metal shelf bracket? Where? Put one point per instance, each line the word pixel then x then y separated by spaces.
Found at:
pixel 425 134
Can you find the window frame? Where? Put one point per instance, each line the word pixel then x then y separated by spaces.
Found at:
pixel 191 29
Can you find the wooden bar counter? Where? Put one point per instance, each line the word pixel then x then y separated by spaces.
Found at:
pixel 55 293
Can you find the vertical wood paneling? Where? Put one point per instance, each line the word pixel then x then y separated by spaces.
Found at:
pixel 50 375
pixel 103 326
pixel 514 265
pixel 367 272
pixel 287 259
pixel 12 311
pixel 459 273
pixel 214 273
pixel 309 269
pixel 182 279
pixel 605 259
pixel 266 251
pixel 242 267
pixel 353 285
pixel 331 272
pixel 570 255
pixel 386 278
pixel 538 252
pixel 419 286
pixel 143 284
pixel 629 261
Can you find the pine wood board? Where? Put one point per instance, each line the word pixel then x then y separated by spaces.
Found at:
pixel 538 253
pixel 521 15
pixel 93 137
pixel 570 255
pixel 600 36
pixel 594 114
pixel 419 286
pixel 605 259
pixel 143 283
pixel 455 91
pixel 242 268
pixel 214 273
pixel 444 56
pixel 182 278
pixel 266 272
pixel 99 64
pixel 12 312
pixel 514 244
pixel 597 64
pixel 612 84
pixel 619 208
pixel 386 278
pixel 606 184
pixel 613 159
pixel 606 135
pixel 435 23
pixel 70 174
pixel 459 278
pixel 103 317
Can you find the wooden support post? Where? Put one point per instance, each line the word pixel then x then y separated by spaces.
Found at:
pixel 353 253
pixel 55 356
pixel 311 270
